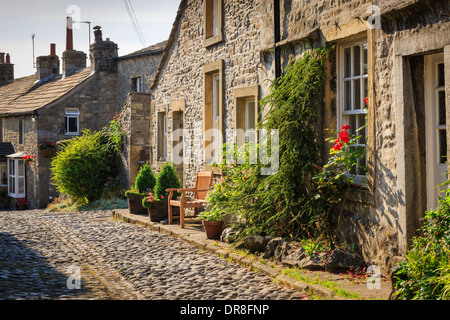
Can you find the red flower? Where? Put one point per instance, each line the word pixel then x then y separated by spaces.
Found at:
pixel 346 127
pixel 343 135
pixel 337 146
pixel 366 100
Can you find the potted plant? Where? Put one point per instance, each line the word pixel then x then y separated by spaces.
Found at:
pixel 145 180
pixel 28 159
pixel 22 203
pixel 212 223
pixel 156 201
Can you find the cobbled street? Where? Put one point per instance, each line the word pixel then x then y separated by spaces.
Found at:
pixel 42 253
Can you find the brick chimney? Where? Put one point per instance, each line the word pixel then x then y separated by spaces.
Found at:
pixel 72 60
pixel 103 54
pixel 6 69
pixel 47 65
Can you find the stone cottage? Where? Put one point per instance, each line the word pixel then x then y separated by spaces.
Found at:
pixel 396 53
pixel 135 72
pixel 55 104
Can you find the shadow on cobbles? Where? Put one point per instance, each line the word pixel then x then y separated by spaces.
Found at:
pixel 25 274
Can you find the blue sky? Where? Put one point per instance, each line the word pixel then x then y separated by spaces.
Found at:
pixel 46 19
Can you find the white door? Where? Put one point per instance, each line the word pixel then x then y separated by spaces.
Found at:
pixel 435 126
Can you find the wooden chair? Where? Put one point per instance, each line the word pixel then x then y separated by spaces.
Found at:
pixel 203 183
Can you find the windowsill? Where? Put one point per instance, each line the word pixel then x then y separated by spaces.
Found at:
pixel 72 134
pixel 15 196
pixel 207 42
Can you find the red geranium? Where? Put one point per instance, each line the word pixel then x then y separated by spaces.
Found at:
pixel 344 137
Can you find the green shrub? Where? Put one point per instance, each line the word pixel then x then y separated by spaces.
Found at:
pixel 167 178
pixel 145 179
pixel 82 167
pixel 85 165
pixel 425 273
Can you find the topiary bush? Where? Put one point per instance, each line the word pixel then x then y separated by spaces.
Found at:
pixel 167 178
pixel 145 179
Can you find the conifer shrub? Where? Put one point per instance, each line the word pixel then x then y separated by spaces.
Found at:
pixel 145 179
pixel 167 178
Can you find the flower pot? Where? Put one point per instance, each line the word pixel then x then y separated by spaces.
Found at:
pixel 159 210
pixel 135 204
pixel 213 229
pixel 22 206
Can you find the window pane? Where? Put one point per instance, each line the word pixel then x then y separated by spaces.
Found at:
pixel 356 60
pixel 442 146
pixel 21 185
pixel 365 67
pixel 441 102
pixel 347 62
pixel 73 125
pixel 347 95
pixel 357 93
pixel 12 167
pixel 4 173
pixel 366 91
pixel 20 167
pixel 250 114
pixel 12 186
pixel 362 132
pixel 72 111
pixel 441 75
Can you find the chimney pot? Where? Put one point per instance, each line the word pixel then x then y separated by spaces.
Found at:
pixel 69 34
pixel 53 49
pixel 2 57
pixel 8 60
pixel 98 34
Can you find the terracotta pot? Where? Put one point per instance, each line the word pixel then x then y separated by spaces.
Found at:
pixel 213 229
pixel 49 152
pixel 135 205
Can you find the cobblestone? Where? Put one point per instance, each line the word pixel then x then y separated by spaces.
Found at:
pixel 39 252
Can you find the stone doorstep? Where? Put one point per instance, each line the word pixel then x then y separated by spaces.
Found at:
pixel 195 235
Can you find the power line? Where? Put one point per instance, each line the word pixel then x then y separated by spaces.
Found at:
pixel 134 21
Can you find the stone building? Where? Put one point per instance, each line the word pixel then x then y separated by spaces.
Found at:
pixel 135 72
pixel 53 105
pixel 396 53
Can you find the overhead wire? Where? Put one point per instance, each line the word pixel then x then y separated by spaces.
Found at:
pixel 135 23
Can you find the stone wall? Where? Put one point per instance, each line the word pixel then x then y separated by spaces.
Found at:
pixel 144 66
pixel 135 123
pixel 181 78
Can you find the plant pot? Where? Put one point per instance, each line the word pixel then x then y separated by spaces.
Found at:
pixel 135 204
pixel 213 229
pixel 159 211
pixel 23 207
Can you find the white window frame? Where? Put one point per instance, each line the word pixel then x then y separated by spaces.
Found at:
pixel 342 79
pixel 139 84
pixel 162 136
pixel 216 17
pixel 16 178
pixel 72 113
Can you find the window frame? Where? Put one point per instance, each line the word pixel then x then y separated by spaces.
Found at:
pixel 71 115
pixel 342 112
pixel 4 164
pixel 162 136
pixel 16 177
pixel 212 33
pixel 242 96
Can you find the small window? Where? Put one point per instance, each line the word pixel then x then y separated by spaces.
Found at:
pixel 213 21
pixel 72 121
pixel 136 84
pixel 162 136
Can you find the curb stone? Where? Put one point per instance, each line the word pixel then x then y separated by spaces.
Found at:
pixel 229 253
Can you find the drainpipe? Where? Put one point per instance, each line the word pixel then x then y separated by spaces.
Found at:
pixel 276 37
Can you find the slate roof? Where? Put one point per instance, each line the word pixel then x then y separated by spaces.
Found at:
pixel 6 148
pixel 25 95
pixel 150 50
